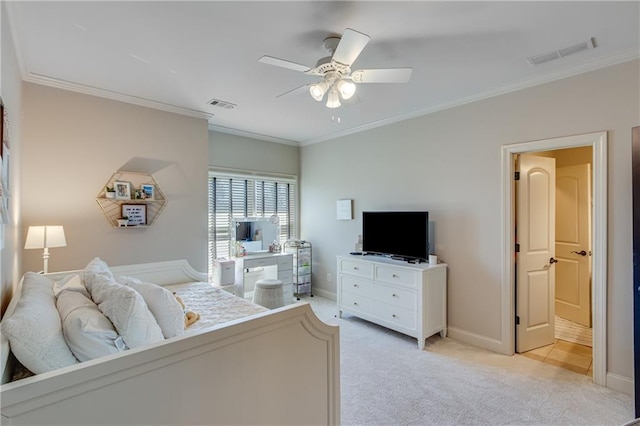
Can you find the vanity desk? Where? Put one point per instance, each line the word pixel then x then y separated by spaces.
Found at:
pixel 255 266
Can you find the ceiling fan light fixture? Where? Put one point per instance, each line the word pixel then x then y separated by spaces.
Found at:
pixel 346 88
pixel 333 100
pixel 318 90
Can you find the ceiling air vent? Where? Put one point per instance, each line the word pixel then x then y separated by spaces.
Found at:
pixel 221 104
pixel 561 53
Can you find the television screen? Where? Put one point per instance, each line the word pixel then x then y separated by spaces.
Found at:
pixel 398 234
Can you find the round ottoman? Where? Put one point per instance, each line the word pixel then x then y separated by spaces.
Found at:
pixel 268 293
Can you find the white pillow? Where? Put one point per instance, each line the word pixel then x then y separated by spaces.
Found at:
pixel 87 331
pixel 127 310
pixel 34 329
pixel 95 268
pixel 71 283
pixel 162 304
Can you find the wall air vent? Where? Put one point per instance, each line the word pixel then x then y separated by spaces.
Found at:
pixel 561 53
pixel 221 104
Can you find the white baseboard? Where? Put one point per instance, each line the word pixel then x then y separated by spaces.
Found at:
pixel 478 340
pixel 324 293
pixel 620 383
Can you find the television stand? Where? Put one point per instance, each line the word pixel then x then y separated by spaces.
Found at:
pixel 408 298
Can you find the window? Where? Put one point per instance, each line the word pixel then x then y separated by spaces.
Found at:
pixel 234 196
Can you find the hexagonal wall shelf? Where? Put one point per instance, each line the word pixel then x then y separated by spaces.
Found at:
pixel 137 195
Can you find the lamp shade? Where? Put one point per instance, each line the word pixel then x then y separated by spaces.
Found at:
pixel 45 237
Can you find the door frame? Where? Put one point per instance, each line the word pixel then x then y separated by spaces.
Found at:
pixel 598 142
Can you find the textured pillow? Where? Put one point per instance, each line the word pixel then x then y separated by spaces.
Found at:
pixel 162 304
pixel 87 331
pixel 95 268
pixel 70 283
pixel 127 310
pixel 34 329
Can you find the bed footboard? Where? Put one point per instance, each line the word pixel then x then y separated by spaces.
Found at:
pixel 280 367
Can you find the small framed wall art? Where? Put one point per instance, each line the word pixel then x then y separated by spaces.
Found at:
pixel 123 190
pixel 136 213
pixel 148 191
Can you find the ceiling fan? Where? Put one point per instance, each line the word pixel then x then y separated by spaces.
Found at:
pixel 337 78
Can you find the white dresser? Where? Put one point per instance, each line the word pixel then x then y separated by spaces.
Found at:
pixel 408 298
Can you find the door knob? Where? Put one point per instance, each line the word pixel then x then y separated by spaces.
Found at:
pixel 581 252
pixel 552 261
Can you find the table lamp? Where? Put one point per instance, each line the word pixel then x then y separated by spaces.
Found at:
pixel 45 237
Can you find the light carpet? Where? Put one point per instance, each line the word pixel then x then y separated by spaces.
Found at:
pixel 386 380
pixel 570 331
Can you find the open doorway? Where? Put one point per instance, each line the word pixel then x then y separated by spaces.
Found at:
pixel 567 275
pixel 598 143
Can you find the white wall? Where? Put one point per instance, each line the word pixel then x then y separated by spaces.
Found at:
pixel 449 164
pixel 238 152
pixel 11 84
pixel 72 143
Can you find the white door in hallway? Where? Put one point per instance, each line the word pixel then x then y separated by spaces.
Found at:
pixel 535 262
pixel 573 243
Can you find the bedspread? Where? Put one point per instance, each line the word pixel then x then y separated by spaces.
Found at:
pixel 214 305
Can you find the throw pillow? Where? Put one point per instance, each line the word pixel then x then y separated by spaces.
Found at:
pixel 127 310
pixel 161 302
pixel 88 332
pixel 34 329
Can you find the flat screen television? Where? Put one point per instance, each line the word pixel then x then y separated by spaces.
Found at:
pixel 401 234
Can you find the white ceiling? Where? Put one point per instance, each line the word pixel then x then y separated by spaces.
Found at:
pixel 179 55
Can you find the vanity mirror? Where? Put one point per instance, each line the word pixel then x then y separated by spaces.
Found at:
pixel 255 235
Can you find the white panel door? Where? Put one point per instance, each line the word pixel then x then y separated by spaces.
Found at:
pixel 535 262
pixel 573 243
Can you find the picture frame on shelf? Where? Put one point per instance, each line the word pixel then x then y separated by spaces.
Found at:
pixel 136 213
pixel 149 191
pixel 123 190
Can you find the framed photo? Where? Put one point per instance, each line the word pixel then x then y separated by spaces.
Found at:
pixel 148 191
pixel 123 190
pixel 136 213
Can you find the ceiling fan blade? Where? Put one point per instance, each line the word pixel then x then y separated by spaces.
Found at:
pixel 299 89
pixel 391 75
pixel 351 44
pixel 270 60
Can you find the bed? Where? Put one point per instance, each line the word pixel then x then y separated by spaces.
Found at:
pixel 276 366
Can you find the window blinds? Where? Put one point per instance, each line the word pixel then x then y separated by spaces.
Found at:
pixel 237 196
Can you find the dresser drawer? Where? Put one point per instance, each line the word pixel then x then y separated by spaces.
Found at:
pixel 395 315
pixel 356 302
pixel 387 274
pixel 285 262
pixel 353 267
pixel 397 296
pixel 356 286
pixel 285 276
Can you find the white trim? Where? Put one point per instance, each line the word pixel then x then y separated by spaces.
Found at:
pixel 598 141
pixel 250 174
pixel 474 339
pixel 325 293
pixel 107 94
pixel 620 383
pixel 615 59
pixel 230 131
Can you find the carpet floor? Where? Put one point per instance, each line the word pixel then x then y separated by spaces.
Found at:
pixel 386 380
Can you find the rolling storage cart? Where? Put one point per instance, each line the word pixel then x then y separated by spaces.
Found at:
pixel 301 251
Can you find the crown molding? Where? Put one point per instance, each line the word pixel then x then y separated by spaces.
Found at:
pixel 619 58
pixel 88 90
pixel 251 135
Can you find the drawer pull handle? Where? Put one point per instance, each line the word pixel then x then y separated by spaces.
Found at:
pixel 355 285
pixel 355 268
pixel 355 303
pixel 394 315
pixel 394 295
pixel 394 276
